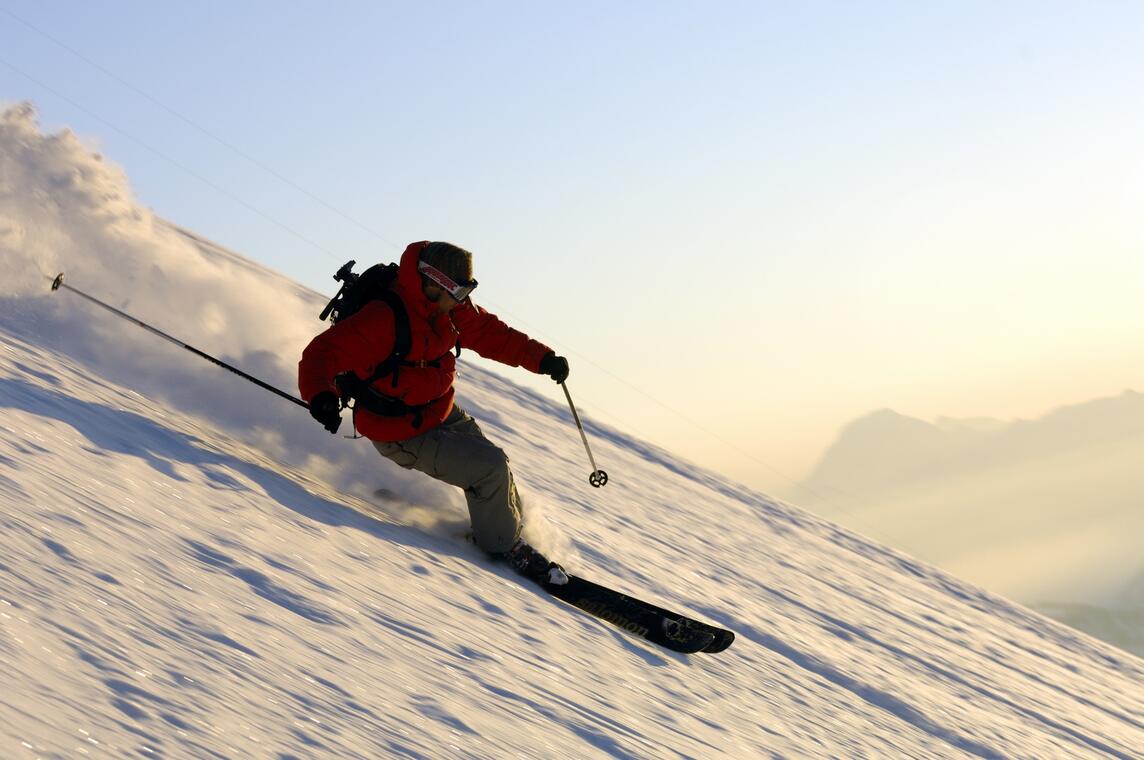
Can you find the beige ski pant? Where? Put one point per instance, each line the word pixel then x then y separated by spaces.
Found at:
pixel 456 452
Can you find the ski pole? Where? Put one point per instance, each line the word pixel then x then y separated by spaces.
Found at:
pixel 59 283
pixel 598 477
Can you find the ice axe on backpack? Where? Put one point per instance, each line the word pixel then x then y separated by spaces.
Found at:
pixel 347 277
pixel 598 477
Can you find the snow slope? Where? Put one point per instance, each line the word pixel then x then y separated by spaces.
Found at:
pixel 193 568
pixel 169 592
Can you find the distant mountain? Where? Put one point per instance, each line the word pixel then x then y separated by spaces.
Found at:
pixel 1048 511
pixel 887 451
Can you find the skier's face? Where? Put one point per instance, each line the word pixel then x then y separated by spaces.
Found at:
pixel 442 289
pixel 440 298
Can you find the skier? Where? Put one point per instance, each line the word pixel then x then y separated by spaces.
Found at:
pixel 410 415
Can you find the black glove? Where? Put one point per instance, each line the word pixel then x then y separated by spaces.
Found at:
pixel 554 366
pixel 326 409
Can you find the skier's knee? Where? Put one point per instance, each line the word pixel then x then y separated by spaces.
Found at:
pixel 496 534
pixel 490 461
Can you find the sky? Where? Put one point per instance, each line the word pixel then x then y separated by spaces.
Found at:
pixel 745 224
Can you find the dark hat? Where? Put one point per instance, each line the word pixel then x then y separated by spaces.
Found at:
pixel 451 260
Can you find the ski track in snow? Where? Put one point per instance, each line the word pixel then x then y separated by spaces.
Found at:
pixel 166 591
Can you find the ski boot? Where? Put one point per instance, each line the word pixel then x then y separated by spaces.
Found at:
pixel 533 565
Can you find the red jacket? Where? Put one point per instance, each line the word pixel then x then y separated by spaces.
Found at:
pixel 358 343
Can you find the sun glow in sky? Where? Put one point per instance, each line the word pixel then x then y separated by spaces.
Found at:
pixel 745 223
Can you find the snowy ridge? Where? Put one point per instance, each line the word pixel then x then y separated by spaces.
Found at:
pixel 169 592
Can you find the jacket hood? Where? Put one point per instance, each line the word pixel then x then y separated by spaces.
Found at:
pixel 409 280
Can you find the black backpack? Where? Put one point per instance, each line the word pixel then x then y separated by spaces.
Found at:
pixel 375 284
pixel 359 289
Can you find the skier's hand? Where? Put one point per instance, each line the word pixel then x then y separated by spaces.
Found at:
pixel 326 409
pixel 554 366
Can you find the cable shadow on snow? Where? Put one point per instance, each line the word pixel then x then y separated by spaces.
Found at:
pixel 108 429
pixel 898 706
pixel 124 432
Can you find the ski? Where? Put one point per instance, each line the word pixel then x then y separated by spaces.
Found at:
pixel 657 625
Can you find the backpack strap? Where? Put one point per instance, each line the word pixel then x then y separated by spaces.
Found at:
pixel 355 387
pixel 402 339
pixel 363 392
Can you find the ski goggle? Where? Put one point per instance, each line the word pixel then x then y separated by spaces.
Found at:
pixel 458 290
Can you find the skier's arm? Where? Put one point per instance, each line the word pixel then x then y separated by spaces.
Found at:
pixel 486 334
pixel 355 345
